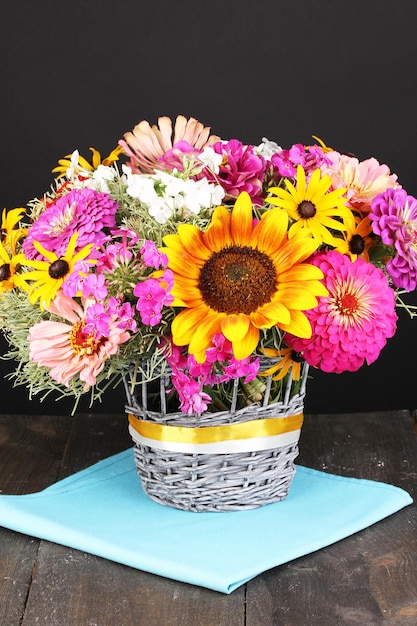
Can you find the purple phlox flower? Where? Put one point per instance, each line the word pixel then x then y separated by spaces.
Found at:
pixel 310 158
pixel 85 211
pixel 151 256
pixel 221 349
pixel 152 296
pixel 241 170
pixel 93 285
pixel 190 393
pixel 73 284
pixel 394 218
pixel 173 159
pixel 246 368
pixel 97 321
pixel 124 311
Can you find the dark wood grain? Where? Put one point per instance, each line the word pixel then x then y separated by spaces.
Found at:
pixel 369 578
pixel 31 453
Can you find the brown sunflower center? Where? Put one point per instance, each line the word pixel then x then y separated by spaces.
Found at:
pixel 5 272
pixel 3 234
pixel 82 343
pixel 306 209
pixel 356 244
pixel 58 268
pixel 238 279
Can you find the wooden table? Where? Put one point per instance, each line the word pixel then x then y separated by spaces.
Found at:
pixel 367 579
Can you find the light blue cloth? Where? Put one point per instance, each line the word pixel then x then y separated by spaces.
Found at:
pixel 103 510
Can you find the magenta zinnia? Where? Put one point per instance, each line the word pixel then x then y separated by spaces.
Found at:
pixel 394 218
pixel 84 211
pixel 352 324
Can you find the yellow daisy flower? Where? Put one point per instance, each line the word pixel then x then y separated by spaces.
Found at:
pixel 237 278
pixel 288 359
pixel 50 275
pixel 357 242
pixel 312 206
pixel 9 278
pixel 9 234
pixel 83 164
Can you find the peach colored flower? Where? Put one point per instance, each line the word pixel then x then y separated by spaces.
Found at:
pixel 363 179
pixel 66 350
pixel 146 144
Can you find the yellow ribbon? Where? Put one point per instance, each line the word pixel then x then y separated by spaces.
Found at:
pixel 212 434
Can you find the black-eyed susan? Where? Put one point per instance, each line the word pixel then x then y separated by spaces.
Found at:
pixel 9 234
pixel 287 359
pixel 239 277
pixel 9 276
pixel 358 241
pixel 311 206
pixel 80 163
pixel 49 275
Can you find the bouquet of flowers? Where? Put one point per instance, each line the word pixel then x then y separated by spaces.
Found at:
pixel 204 257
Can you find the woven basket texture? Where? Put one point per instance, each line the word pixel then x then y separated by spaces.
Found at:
pixel 221 481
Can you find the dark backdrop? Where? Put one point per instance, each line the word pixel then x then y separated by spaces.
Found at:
pixel 80 74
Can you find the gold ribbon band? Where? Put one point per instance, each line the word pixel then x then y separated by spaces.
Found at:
pixel 212 434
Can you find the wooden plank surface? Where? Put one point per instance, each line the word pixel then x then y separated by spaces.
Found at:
pixel 366 579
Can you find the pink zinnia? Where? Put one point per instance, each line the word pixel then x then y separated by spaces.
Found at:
pixel 363 180
pixel 241 170
pixel 85 211
pixel 394 218
pixel 66 350
pixel 352 324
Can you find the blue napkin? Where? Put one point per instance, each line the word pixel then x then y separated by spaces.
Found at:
pixel 104 511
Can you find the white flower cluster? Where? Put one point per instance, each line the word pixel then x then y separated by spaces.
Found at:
pixel 167 194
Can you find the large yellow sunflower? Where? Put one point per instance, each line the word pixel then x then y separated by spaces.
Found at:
pixel 313 207
pixel 50 275
pixel 237 278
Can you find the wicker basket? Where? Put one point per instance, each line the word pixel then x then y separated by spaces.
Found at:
pixel 212 462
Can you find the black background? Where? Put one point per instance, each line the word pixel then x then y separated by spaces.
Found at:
pixel 80 74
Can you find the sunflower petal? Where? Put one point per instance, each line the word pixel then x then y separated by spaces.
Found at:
pixel 247 344
pixel 242 220
pixel 234 327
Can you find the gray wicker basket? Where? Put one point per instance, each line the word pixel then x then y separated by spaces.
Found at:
pixel 259 472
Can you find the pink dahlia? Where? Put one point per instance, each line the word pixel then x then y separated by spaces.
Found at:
pixel 147 145
pixel 85 211
pixel 67 350
pixel 363 179
pixel 352 324
pixel 394 218
pixel 241 170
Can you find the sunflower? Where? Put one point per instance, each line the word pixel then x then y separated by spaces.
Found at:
pixel 288 359
pixel 83 164
pixel 312 206
pixel 50 275
pixel 237 278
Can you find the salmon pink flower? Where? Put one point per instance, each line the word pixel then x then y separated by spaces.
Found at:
pixel 66 349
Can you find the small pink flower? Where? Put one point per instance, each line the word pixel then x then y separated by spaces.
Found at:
pixel 151 256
